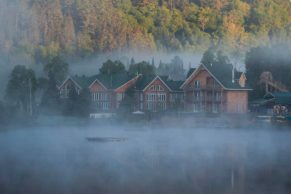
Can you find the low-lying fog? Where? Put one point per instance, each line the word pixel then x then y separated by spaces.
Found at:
pixel 132 159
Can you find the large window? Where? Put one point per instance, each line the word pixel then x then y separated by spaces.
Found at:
pixel 100 96
pixel 103 105
pixel 160 97
pixel 156 101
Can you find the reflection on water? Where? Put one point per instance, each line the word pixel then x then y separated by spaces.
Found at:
pixel 147 160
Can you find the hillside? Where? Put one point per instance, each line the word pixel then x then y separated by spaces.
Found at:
pixel 42 28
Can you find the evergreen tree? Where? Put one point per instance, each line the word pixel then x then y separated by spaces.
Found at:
pixel 71 107
pixel 50 101
pixel 110 67
pixel 57 68
pixel 21 88
pixel 143 68
pixel 84 103
pixel 127 104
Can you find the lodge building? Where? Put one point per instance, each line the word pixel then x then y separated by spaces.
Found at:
pixel 208 88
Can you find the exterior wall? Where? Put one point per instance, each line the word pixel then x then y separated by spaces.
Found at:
pixel 65 89
pixel 200 76
pixel 156 100
pixel 207 96
pixel 236 101
pixel 102 99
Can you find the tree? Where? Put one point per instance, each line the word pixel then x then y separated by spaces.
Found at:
pixel 208 57
pixel 50 99
pixel 57 68
pixel 71 106
pixel 127 104
pixel 177 71
pixel 275 59
pixel 214 57
pixel 132 61
pixel 84 103
pixel 174 70
pixel 21 88
pixel 2 113
pixel 110 67
pixel 143 68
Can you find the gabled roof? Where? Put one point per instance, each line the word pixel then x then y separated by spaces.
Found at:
pixel 113 81
pixel 83 81
pixel 145 81
pixel 222 74
pixel 191 70
pixel 161 78
pixel 174 85
pixel 80 82
pixel 108 81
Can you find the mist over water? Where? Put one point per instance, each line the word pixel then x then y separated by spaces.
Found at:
pixel 145 158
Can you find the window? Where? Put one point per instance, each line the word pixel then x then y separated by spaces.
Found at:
pixel 218 96
pixel 103 105
pixel 215 108
pixel 156 88
pixel 156 97
pixel 150 106
pixel 196 107
pixel 120 96
pixel 196 84
pixel 101 96
pixel 161 97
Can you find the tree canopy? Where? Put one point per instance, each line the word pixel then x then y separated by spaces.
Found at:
pixel 47 28
pixel 112 67
pixel 21 87
pixel 275 59
pixel 57 68
pixel 143 68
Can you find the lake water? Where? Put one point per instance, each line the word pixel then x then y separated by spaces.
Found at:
pixel 145 159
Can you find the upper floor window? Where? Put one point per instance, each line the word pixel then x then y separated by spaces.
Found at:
pixel 156 88
pixel 99 96
pixel 197 84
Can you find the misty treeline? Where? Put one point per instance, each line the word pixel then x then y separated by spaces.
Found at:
pixel 43 29
pixel 275 59
pixel 29 95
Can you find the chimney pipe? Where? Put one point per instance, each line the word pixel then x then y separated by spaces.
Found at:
pixel 232 76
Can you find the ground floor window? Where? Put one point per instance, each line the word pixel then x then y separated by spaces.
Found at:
pixel 196 107
pixel 156 106
pixel 103 105
pixel 215 108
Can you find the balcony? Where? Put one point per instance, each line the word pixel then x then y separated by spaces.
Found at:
pixel 204 88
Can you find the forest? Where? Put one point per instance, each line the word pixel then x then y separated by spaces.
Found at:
pixel 39 30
